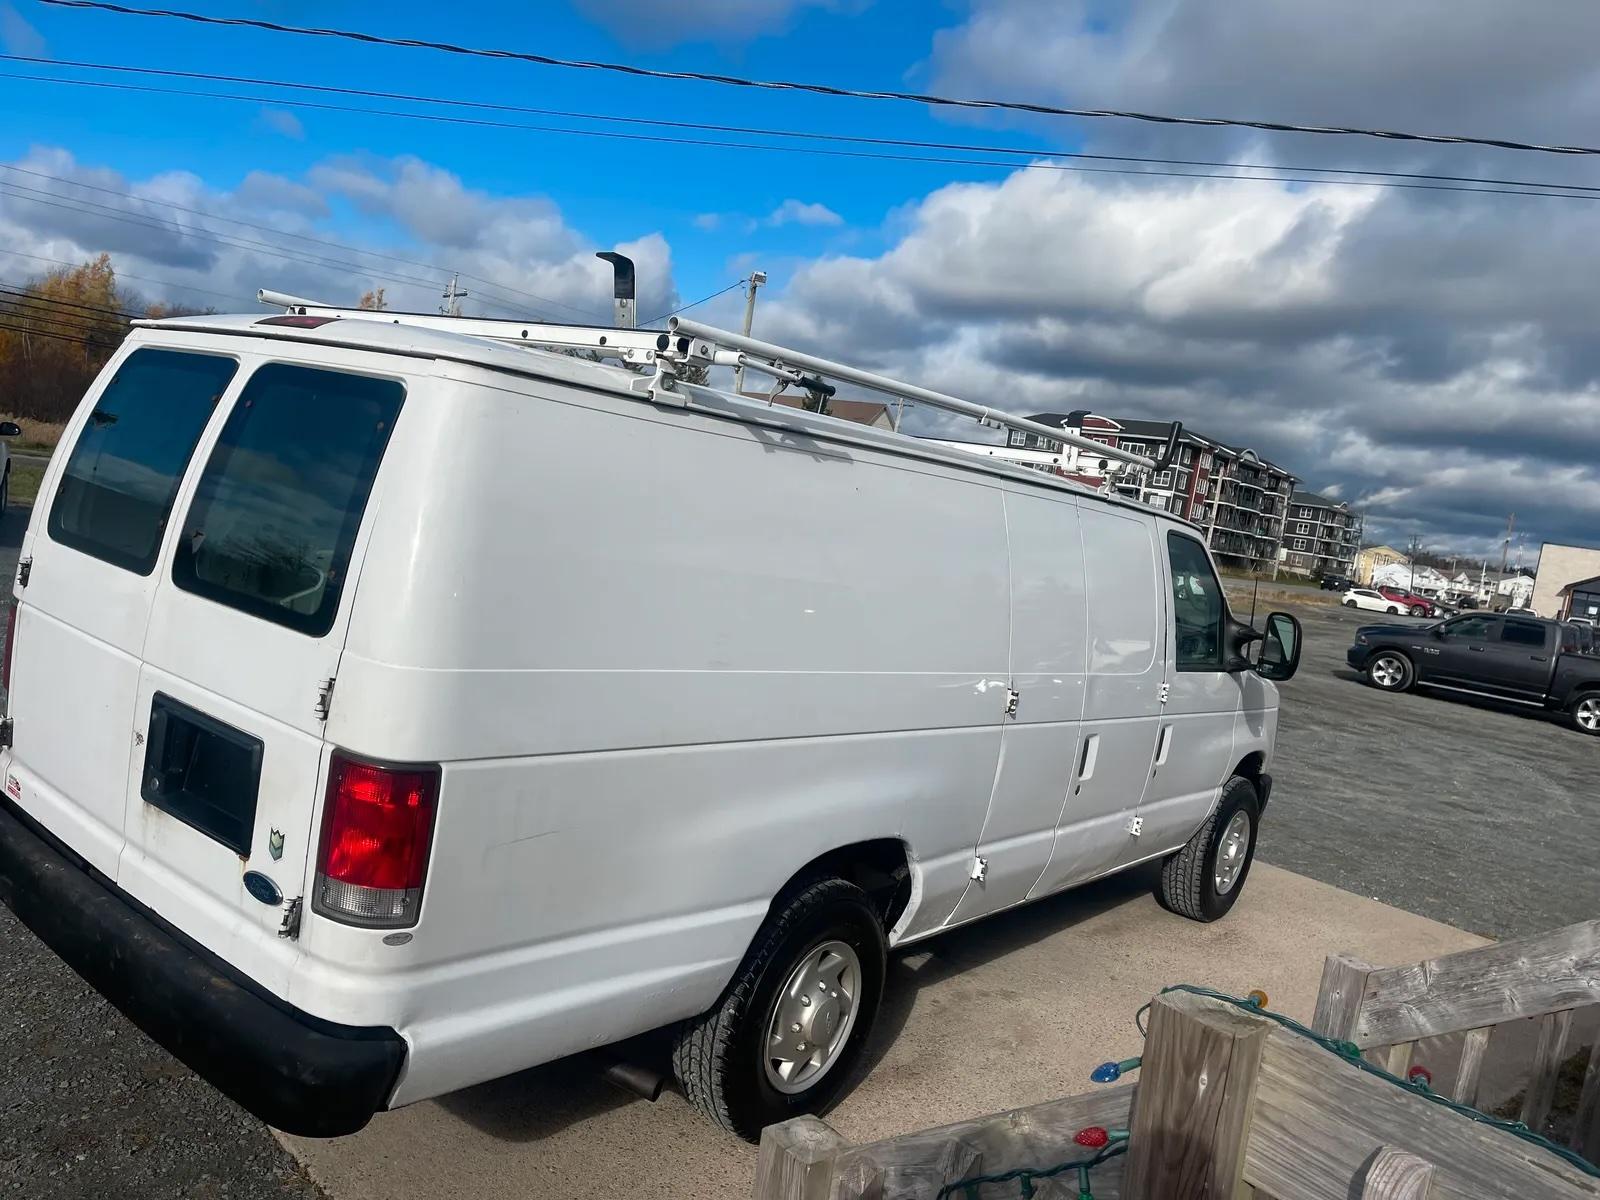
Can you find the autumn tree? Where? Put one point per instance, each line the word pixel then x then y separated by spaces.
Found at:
pixel 373 301
pixel 56 332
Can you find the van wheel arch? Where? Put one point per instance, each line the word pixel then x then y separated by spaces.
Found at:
pixel 880 867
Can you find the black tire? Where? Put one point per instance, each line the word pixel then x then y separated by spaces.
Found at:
pixel 1349 603
pixel 1188 878
pixel 719 1057
pixel 1392 611
pixel 1585 708
pixel 1400 683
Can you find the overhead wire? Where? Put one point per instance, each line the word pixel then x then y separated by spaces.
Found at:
pixel 22 292
pixel 713 127
pixel 695 304
pixel 167 283
pixel 60 337
pixel 819 89
pixel 1560 190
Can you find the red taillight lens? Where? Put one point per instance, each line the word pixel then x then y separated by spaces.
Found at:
pixel 11 649
pixel 377 827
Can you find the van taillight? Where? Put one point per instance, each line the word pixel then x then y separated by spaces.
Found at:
pixel 11 649
pixel 377 827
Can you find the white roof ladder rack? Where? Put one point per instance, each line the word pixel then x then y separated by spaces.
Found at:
pixel 688 341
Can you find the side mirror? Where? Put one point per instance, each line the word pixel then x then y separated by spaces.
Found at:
pixel 1237 636
pixel 10 429
pixel 1279 657
pixel 1436 631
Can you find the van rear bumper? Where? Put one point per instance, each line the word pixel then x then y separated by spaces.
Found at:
pixel 296 1072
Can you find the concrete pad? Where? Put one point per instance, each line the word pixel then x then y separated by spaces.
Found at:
pixel 1011 1011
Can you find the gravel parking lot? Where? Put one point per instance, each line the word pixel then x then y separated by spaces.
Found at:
pixel 1481 815
pixel 1464 812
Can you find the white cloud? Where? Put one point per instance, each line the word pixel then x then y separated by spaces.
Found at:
pixel 799 212
pixel 281 120
pixel 708 222
pixel 522 256
pixel 16 35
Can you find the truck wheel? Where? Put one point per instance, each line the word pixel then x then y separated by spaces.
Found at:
pixel 791 1024
pixel 1585 712
pixel 1389 672
pixel 1202 880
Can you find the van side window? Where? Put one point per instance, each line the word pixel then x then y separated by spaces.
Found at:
pixel 117 489
pixel 275 514
pixel 1197 606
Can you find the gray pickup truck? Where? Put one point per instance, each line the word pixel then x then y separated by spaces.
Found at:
pixel 1525 660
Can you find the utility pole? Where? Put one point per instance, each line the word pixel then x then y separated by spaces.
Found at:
pixel 1416 546
pixel 1505 546
pixel 453 296
pixel 757 278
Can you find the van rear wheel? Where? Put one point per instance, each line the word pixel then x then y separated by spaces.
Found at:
pixel 1203 880
pixel 789 1029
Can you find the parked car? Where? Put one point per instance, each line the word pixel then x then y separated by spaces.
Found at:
pixel 8 429
pixel 1411 602
pixel 1372 600
pixel 1336 583
pixel 1522 659
pixel 353 784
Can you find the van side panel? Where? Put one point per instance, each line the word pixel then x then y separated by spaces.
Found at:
pixel 1122 701
pixel 666 660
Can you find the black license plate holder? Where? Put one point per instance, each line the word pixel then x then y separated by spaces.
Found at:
pixel 203 772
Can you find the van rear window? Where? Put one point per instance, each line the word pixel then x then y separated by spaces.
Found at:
pixel 117 490
pixel 276 511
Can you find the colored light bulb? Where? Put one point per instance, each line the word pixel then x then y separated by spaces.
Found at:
pixel 1094 1137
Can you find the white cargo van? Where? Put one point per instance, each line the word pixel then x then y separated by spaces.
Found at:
pixel 390 710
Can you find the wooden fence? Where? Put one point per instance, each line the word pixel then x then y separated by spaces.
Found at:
pixel 1231 1105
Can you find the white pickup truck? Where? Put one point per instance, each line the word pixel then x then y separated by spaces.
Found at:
pixel 391 710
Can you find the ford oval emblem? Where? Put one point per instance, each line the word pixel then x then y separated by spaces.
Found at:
pixel 262 888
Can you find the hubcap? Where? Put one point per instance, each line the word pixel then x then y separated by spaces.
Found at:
pixel 1387 672
pixel 1589 715
pixel 812 1017
pixel 1231 852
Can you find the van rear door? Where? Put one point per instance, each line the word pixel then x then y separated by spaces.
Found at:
pixel 245 634
pixel 91 575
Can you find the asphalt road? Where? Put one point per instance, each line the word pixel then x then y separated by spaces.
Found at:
pixel 1474 815
pixel 1481 815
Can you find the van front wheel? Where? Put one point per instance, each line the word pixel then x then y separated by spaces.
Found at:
pixel 789 1029
pixel 1203 880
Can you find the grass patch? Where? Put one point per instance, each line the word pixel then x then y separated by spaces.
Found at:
pixel 38 437
pixel 25 479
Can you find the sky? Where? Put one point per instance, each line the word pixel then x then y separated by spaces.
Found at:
pixel 1427 355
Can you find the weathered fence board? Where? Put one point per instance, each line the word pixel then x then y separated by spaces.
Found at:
pixel 1529 977
pixel 1396 1175
pixel 1193 1112
pixel 1473 1047
pixel 1315 1127
pixel 1586 1126
pixel 1547 1060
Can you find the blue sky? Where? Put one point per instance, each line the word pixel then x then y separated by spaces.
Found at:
pixel 610 190
pixel 1429 356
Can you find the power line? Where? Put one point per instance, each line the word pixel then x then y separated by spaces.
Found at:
pixel 819 89
pixel 187 287
pixel 695 304
pixel 60 337
pixel 1574 192
pixel 23 292
pixel 34 309
pixel 257 225
pixel 663 123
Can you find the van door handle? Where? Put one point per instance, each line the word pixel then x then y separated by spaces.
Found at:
pixel 1164 745
pixel 1539 657
pixel 1091 751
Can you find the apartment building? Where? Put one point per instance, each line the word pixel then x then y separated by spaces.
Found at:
pixel 1238 498
pixel 1321 536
